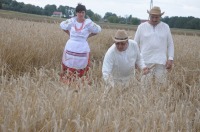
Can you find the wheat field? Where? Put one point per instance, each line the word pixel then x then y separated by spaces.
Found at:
pixel 33 99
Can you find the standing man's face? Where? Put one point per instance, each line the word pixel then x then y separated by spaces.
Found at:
pixel 154 19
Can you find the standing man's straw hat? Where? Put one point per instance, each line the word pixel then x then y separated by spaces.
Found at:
pixel 155 11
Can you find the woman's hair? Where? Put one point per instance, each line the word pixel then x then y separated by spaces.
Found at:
pixel 80 7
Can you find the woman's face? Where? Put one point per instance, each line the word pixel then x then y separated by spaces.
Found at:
pixel 80 15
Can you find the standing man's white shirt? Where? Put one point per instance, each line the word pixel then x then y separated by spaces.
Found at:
pixel 157 47
pixel 155 42
pixel 120 66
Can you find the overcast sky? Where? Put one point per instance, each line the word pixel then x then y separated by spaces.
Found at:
pixel 136 8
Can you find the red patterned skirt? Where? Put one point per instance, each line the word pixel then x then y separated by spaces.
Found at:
pixel 70 74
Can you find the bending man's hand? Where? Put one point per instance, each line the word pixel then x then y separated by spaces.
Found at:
pixel 145 70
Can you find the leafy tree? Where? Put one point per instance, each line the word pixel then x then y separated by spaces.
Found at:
pixel 135 21
pixel 193 24
pixel 62 9
pixel 49 9
pixel 122 20
pixel 108 14
pixel 16 6
pixel 1 4
pixel 173 22
pixel 129 19
pixel 28 8
pixel 7 2
pixel 90 14
pixel 180 22
pixel 96 17
pixel 70 12
pixel 165 19
pixel 113 19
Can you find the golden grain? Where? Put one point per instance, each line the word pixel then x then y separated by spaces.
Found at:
pixel 33 99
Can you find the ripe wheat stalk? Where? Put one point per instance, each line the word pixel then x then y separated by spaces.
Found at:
pixel 33 99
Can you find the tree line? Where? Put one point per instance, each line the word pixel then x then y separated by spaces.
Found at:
pixel 174 22
pixel 182 22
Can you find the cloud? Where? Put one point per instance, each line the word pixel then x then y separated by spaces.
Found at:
pixel 190 8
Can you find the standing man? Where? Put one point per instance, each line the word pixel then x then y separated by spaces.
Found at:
pixel 156 45
pixel 120 59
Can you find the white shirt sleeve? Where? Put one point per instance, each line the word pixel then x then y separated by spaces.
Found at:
pixel 66 25
pixel 93 27
pixel 139 60
pixel 137 35
pixel 170 45
pixel 107 67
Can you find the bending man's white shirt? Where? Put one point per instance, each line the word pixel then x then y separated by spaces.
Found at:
pixel 119 67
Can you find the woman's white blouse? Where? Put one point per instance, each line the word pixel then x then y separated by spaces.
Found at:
pixel 78 39
pixel 77 42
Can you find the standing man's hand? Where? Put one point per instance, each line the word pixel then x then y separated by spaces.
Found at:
pixel 169 65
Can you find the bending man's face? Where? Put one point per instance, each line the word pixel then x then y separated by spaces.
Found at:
pixel 121 46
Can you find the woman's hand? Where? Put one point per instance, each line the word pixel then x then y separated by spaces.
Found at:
pixel 67 32
pixel 92 34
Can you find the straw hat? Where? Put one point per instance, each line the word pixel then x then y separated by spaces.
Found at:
pixel 121 36
pixel 155 11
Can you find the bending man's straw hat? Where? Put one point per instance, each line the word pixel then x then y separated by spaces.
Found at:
pixel 121 36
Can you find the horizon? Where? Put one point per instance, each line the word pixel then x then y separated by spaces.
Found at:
pixel 136 8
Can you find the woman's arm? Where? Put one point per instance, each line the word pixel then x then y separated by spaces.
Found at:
pixel 67 31
pixel 92 34
pixel 66 25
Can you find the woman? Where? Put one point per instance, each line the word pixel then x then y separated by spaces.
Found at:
pixel 75 58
